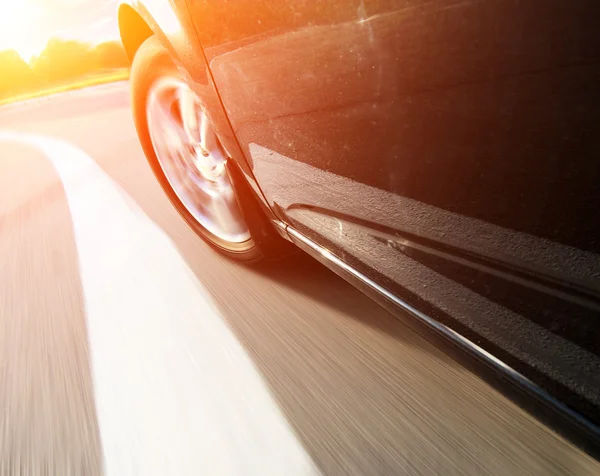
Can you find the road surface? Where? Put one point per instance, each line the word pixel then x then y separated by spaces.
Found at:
pixel 127 346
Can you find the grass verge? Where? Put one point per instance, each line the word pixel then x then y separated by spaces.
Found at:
pixel 94 80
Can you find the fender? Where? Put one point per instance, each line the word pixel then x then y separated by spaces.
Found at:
pixel 171 22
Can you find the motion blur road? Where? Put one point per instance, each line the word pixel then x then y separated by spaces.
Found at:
pixel 127 346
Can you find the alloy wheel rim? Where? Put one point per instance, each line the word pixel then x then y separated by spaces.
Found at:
pixel 193 160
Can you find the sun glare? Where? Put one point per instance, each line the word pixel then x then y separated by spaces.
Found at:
pixel 19 28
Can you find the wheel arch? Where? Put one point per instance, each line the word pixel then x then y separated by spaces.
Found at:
pixel 135 27
pixel 265 231
pixel 132 29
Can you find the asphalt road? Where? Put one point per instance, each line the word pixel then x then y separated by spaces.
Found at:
pixel 127 346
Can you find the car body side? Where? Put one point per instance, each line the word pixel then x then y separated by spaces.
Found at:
pixel 442 152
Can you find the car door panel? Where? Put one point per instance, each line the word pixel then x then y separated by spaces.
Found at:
pixel 444 148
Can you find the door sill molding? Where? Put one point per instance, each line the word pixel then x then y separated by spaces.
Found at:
pixel 570 424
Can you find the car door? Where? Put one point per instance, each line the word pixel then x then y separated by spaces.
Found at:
pixel 445 149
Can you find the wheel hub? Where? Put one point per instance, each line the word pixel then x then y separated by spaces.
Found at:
pixel 192 159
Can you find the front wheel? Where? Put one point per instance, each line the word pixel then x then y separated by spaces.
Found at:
pixel 185 154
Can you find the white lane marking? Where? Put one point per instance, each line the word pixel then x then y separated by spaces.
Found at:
pixel 175 392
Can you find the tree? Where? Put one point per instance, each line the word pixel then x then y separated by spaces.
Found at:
pixel 110 55
pixel 15 73
pixel 63 59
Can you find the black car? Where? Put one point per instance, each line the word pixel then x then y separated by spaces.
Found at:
pixel 443 155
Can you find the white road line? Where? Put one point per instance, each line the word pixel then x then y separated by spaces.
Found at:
pixel 176 394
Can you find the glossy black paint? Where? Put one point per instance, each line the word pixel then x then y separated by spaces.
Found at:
pixel 446 149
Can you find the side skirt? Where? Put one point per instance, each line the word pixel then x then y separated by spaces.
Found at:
pixel 533 399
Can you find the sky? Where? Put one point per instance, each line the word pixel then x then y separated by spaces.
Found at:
pixel 27 25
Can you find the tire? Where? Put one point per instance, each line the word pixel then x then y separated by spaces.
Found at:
pixel 151 69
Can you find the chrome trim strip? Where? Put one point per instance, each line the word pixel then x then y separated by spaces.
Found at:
pixel 446 332
pixel 281 229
